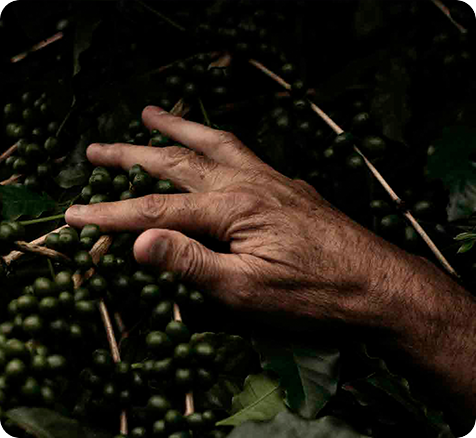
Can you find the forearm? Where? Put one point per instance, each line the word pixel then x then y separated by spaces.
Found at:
pixel 433 327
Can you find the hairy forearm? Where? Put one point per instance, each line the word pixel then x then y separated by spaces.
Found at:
pixel 433 327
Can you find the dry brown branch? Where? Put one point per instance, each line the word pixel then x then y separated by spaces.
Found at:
pixel 440 5
pixel 12 180
pixel 9 152
pixel 222 61
pixel 14 255
pixel 111 339
pixel 57 36
pixel 189 403
pixel 168 66
pixel 99 249
pixel 26 247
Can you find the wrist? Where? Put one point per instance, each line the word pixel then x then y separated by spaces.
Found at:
pixel 428 335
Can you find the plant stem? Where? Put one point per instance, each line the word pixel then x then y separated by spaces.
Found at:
pixel 47 252
pixel 338 130
pixel 12 180
pixel 168 66
pixel 10 151
pixel 163 17
pixel 57 36
pixel 14 255
pixel 204 112
pixel 116 356
pixel 446 11
pixel 189 403
pixel 99 249
pixel 43 219
pixel 111 338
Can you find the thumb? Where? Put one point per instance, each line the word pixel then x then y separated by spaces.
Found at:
pixel 173 251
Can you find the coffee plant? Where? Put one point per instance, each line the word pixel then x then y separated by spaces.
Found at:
pixel 364 100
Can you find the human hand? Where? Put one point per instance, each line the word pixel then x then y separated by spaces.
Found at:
pixel 291 252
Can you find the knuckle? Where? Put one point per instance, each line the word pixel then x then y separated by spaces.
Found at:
pixel 227 138
pixel 189 259
pixel 245 203
pixel 179 156
pixel 310 190
pixel 175 155
pixel 151 207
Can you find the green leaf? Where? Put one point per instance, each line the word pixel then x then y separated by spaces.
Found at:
pixel 308 374
pixel 73 175
pixel 18 201
pixel 45 423
pixel 462 201
pixel 87 22
pixel 111 124
pixel 465 236
pixel 287 425
pixel 452 163
pixel 465 247
pixel 260 400
pixel 76 168
pixel 392 395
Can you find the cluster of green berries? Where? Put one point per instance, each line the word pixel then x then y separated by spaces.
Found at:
pixel 51 309
pixel 29 124
pixel 105 186
pixel 30 373
pixel 10 232
pixel 193 78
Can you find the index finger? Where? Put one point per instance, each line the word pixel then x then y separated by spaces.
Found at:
pixel 221 146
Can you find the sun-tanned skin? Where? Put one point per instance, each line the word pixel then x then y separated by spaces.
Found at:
pixel 292 254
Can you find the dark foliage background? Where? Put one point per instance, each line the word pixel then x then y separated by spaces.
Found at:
pixel 403 63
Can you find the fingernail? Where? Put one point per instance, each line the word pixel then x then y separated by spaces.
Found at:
pixel 158 110
pixel 158 250
pixel 98 145
pixel 76 210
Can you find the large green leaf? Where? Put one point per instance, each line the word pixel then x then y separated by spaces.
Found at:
pixel 393 397
pixel 308 374
pixel 45 423
pixel 75 170
pixel 453 162
pixel 462 202
pixel 287 425
pixel 261 400
pixel 18 201
pixel 88 20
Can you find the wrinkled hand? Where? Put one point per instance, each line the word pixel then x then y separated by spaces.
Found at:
pixel 291 252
